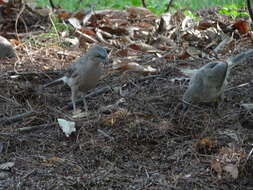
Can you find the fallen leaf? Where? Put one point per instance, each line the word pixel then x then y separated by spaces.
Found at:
pixel 63 15
pixel 7 165
pixel 242 26
pixel 67 126
pixel 51 160
pixel 206 146
pixel 132 66
pixel 75 23
pixel 87 31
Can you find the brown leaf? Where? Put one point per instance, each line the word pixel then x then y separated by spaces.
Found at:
pixel 242 26
pixel 63 15
pixel 135 47
pixel 116 30
pixel 15 42
pixel 204 24
pixel 206 146
pixel 122 53
pixel 79 15
pixel 87 31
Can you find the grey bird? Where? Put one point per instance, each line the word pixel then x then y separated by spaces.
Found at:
pixel 84 73
pixel 209 82
pixel 6 49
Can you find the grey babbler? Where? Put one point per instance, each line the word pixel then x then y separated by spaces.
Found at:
pixel 84 73
pixel 6 49
pixel 209 82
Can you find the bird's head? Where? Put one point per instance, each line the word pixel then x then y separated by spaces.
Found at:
pixel 99 54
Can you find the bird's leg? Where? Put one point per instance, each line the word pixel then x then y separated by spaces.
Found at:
pixel 85 104
pixel 73 99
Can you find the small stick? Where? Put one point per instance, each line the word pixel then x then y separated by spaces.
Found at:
pixel 16 117
pixel 169 5
pixel 250 10
pixel 143 3
pixel 36 127
pixel 105 134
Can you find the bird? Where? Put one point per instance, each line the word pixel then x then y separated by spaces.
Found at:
pixel 6 49
pixel 84 74
pixel 209 82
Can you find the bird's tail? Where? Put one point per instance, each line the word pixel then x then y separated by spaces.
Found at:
pixel 234 60
pixel 54 83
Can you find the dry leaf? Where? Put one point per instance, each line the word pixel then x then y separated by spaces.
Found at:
pixel 15 42
pixel 63 15
pixel 204 24
pixel 75 23
pixel 122 52
pixel 87 31
pixel 206 145
pixel 67 126
pixel 7 165
pixel 51 160
pixel 242 26
pixel 113 118
pixel 232 170
pixel 132 66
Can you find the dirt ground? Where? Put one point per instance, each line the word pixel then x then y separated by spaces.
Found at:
pixel 143 142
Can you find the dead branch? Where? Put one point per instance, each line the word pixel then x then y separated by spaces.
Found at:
pixel 143 3
pixel 250 10
pixel 15 117
pixel 169 5
pixel 36 127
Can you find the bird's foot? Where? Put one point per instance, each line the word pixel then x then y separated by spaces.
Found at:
pixel 79 114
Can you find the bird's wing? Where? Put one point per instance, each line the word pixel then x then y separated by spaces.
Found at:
pixel 77 67
pixel 215 76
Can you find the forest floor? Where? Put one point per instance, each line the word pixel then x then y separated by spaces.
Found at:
pixel 135 135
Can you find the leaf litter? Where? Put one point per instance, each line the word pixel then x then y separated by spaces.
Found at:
pixel 145 141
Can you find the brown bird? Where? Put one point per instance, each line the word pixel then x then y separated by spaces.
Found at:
pixel 209 82
pixel 84 73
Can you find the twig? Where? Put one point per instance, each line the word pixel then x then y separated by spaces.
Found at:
pixel 16 22
pixel 52 5
pixel 55 29
pixel 169 5
pixel 36 127
pixel 16 117
pixel 238 86
pixel 105 134
pixel 87 36
pixel 250 153
pixel 25 34
pixel 250 10
pixel 223 44
pixel 143 3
